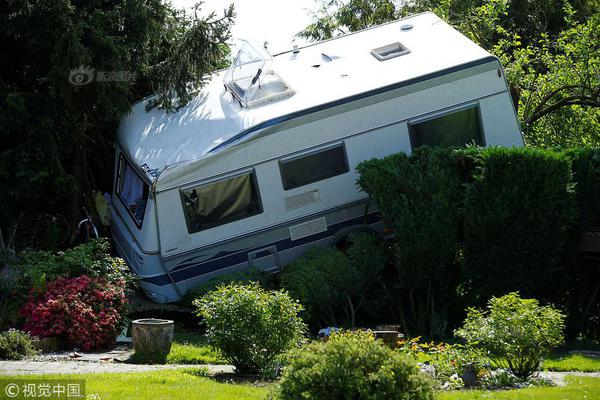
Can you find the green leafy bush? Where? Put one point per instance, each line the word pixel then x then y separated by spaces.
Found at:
pixel 516 333
pixel 239 277
pixel 15 345
pixel 332 284
pixel 449 360
pixel 92 259
pixel 35 268
pixel 420 198
pixel 517 214
pixel 352 366
pixel 251 326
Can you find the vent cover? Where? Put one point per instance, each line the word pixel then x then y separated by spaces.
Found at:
pixel 389 51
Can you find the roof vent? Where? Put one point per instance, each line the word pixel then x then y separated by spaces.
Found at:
pixel 389 51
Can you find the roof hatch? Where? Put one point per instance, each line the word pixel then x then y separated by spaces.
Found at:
pixel 250 79
pixel 389 51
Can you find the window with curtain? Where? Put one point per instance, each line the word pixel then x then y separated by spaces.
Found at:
pixel 221 202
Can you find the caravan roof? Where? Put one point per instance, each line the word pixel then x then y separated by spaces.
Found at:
pixel 317 75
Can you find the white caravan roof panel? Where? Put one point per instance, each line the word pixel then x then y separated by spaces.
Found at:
pixel 319 74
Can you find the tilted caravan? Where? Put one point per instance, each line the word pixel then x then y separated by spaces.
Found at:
pixel 260 166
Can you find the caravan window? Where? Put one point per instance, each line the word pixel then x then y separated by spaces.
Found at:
pixel 132 190
pixel 221 202
pixel 454 129
pixel 305 169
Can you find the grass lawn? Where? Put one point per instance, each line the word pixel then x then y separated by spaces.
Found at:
pixel 578 389
pixel 191 385
pixel 161 385
pixel 191 348
pixel 572 362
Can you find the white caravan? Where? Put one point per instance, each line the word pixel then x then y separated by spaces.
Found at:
pixel 260 166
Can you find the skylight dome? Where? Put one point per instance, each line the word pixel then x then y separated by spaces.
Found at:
pixel 250 79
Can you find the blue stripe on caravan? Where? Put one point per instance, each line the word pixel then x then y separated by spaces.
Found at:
pixel 242 256
pixel 335 103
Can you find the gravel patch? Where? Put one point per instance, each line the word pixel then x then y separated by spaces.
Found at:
pixel 86 367
pixel 559 377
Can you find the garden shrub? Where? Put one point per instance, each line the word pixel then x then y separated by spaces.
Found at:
pixel 86 311
pixel 250 325
pixel 420 198
pixel 333 284
pixel 15 345
pixel 35 268
pixel 516 333
pixel 92 259
pixel 352 366
pixel 517 213
pixel 452 362
pixel 238 277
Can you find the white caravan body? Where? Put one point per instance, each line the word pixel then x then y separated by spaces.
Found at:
pixel 261 165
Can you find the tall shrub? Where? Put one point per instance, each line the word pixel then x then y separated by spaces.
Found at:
pixel 583 275
pixel 419 197
pixel 518 210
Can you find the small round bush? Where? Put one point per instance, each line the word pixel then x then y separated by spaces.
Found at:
pixel 251 326
pixel 516 333
pixel 15 345
pixel 352 366
pixel 86 311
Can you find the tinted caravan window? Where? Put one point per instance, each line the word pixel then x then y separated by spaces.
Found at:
pixel 305 169
pixel 131 190
pixel 455 129
pixel 221 202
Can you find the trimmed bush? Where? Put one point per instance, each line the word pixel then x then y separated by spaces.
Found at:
pixel 15 345
pixel 518 211
pixel 251 326
pixel 420 199
pixel 516 333
pixel 333 284
pixel 88 312
pixel 585 165
pixel 352 366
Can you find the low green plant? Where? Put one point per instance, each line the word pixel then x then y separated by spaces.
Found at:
pixel 238 277
pixel 93 259
pixel 333 284
pixel 352 365
pixel 449 360
pixel 15 345
pixel 516 333
pixel 250 325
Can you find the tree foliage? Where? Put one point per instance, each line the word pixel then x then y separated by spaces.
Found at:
pixel 55 135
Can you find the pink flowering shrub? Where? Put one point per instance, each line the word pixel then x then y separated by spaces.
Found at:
pixel 86 311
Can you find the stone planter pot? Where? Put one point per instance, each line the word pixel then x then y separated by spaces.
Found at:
pixel 152 338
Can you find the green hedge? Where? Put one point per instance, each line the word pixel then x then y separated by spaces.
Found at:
pixel 505 217
pixel 420 197
pixel 585 167
pixel 518 210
